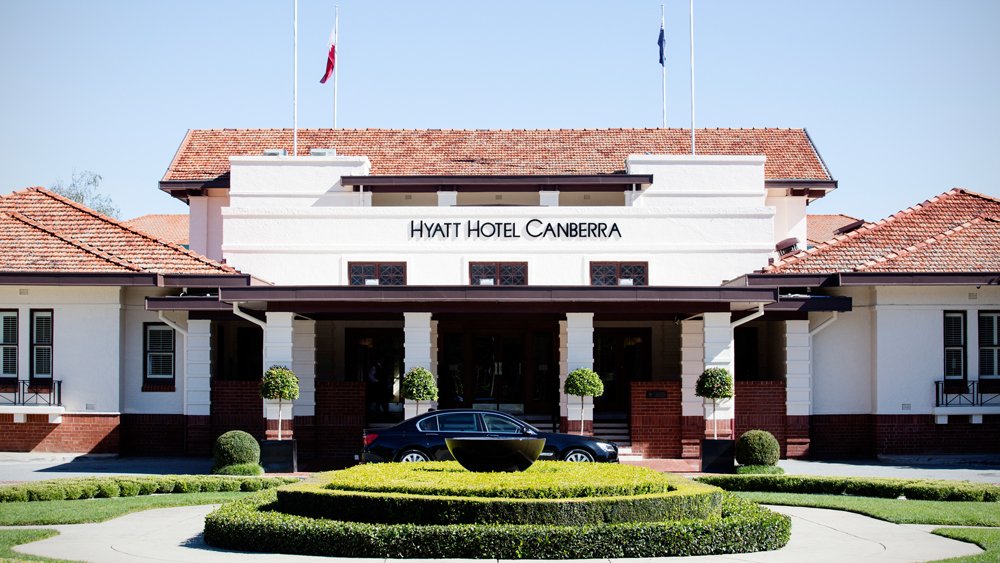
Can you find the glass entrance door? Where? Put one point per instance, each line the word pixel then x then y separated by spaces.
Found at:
pixel 620 356
pixel 509 370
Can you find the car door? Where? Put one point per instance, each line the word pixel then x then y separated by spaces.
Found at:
pixel 453 425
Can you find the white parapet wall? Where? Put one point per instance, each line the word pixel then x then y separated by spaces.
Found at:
pixel 702 221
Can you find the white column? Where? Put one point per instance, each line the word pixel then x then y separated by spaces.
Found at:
pixel 417 352
pixel 304 365
pixel 198 369
pixel 447 199
pixel 798 369
pixel 692 364
pixel 278 342
pixel 579 344
pixel 548 198
pixel 719 354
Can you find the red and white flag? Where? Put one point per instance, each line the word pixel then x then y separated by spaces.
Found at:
pixel 331 57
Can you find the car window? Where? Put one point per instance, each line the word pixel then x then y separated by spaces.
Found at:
pixel 500 424
pixel 429 424
pixel 458 422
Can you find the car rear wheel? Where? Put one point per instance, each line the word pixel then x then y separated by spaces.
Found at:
pixel 413 455
pixel 578 455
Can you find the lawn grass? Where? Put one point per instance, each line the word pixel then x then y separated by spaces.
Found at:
pixel 987 539
pixel 892 510
pixel 10 538
pixel 99 509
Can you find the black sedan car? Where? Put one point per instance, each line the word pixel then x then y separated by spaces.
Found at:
pixel 421 438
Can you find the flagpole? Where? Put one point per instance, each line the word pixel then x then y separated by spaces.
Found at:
pixel 663 67
pixel 336 67
pixel 692 77
pixel 295 80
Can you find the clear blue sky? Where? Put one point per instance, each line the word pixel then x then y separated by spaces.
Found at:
pixel 902 98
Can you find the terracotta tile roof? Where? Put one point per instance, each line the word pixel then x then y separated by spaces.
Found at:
pixel 927 236
pixel 203 155
pixel 970 247
pixel 27 246
pixel 91 235
pixel 171 228
pixel 821 228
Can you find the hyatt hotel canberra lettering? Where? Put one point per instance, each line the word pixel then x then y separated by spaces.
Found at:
pixel 534 228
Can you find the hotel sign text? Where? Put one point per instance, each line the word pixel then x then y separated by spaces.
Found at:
pixel 533 228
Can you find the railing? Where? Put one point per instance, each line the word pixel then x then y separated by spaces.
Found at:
pixel 25 392
pixel 962 393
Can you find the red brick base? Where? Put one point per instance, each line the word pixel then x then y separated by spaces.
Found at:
pixel 656 418
pixel 568 426
pixel 760 405
pixel 77 433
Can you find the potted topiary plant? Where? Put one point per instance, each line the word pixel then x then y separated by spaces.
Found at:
pixel 758 451
pixel 279 384
pixel 717 456
pixel 418 385
pixel 583 382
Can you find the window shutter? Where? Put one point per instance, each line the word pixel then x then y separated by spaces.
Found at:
pixel 954 329
pixel 43 361
pixel 8 334
pixel 988 329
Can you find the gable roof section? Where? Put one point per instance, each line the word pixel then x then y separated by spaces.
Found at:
pixel 821 228
pixel 72 237
pixel 203 155
pixel 27 246
pixel 953 232
pixel 169 227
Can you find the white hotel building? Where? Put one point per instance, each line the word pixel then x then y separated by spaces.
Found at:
pixel 502 260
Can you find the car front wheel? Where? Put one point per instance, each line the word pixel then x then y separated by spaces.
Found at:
pixel 578 455
pixel 413 455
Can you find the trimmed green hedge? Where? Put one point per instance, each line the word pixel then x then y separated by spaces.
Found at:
pixel 913 489
pixel 234 448
pixel 239 469
pixel 254 524
pixel 757 447
pixel 130 486
pixel 691 500
pixel 544 479
pixel 759 470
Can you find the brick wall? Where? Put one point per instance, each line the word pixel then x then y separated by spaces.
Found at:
pixel 760 405
pixel 152 434
pixel 338 425
pixel 833 436
pixel 567 426
pixel 655 419
pixel 236 405
pixel 77 433
pixel 918 434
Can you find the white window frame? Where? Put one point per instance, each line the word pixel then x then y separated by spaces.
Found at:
pixel 149 353
pixel 993 347
pixel 36 346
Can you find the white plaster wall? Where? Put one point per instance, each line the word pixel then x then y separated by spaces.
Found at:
pixel 314 245
pixel 205 223
pixel 86 337
pixel 285 181
pixel 133 399
pixel 290 221
pixel 910 341
pixel 842 358
pixel 789 218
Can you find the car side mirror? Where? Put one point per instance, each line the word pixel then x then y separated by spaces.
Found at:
pixel 528 432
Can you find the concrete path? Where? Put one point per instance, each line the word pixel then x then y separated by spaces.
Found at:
pixel 174 534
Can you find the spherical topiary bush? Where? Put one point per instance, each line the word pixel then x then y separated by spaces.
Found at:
pixel 235 447
pixel 418 385
pixel 757 447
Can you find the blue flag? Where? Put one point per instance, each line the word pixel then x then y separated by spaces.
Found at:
pixel 661 41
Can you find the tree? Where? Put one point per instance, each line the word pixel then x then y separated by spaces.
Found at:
pixel 583 382
pixel 418 385
pixel 279 384
pixel 84 188
pixel 714 383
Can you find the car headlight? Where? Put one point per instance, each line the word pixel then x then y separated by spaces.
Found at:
pixel 610 448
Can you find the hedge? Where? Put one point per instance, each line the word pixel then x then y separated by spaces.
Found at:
pixel 692 500
pixel 759 470
pixel 254 524
pixel 235 447
pixel 757 447
pixel 913 489
pixel 110 487
pixel 544 479
pixel 239 469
